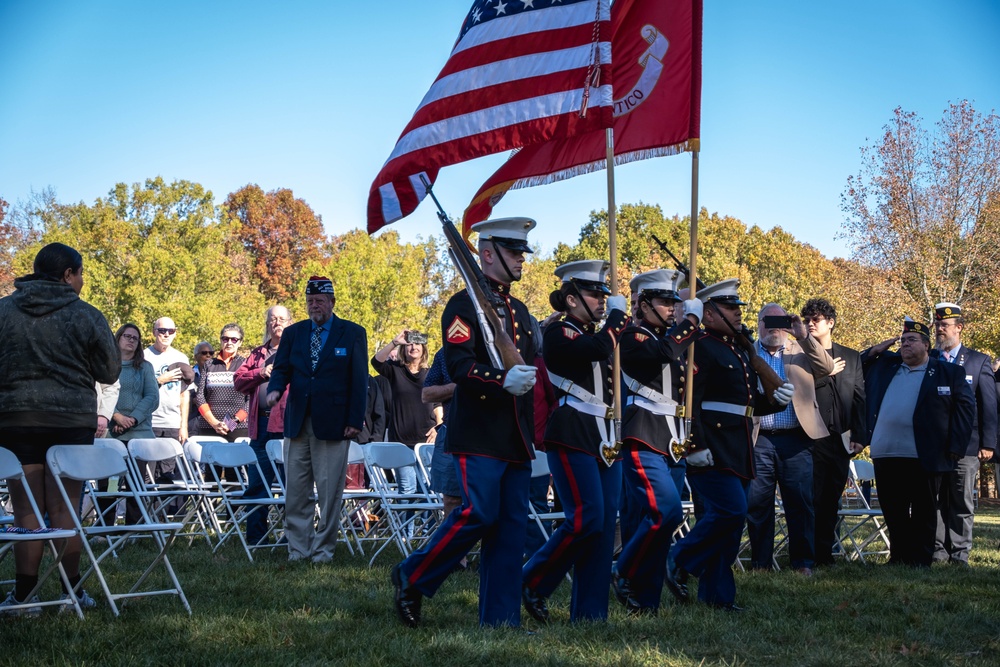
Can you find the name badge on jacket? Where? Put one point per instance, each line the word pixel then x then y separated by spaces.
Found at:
pixel 944 391
pixel 968 378
pixel 340 351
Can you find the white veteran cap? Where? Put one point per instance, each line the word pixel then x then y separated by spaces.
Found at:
pixel 588 274
pixel 722 292
pixel 511 233
pixel 947 311
pixel 660 283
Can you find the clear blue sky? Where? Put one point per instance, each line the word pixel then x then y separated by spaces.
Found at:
pixel 313 95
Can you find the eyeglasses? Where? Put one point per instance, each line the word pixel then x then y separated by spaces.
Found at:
pixel 230 339
pixel 816 319
pixel 166 332
pixel 134 339
pixel 276 320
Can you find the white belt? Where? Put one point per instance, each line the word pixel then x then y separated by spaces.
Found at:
pixel 648 393
pixel 729 408
pixel 670 409
pixel 600 411
pixel 587 403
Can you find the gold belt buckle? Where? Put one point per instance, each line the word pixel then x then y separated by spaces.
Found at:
pixel 609 413
pixel 749 411
pixel 679 411
pixel 609 452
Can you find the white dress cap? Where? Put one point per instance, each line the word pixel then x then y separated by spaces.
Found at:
pixel 590 274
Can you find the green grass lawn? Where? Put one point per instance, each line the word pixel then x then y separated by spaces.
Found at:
pixel 270 612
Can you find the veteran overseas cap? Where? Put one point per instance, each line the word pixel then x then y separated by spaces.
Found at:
pixel 910 326
pixel 947 311
pixel 588 274
pixel 660 283
pixel 723 292
pixel 511 233
pixel 319 285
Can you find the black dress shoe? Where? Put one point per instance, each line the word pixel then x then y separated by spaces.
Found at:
pixel 535 605
pixel 621 586
pixel 732 607
pixel 408 599
pixel 676 580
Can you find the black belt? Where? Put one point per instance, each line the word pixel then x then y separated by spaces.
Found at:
pixel 782 431
pixel 264 413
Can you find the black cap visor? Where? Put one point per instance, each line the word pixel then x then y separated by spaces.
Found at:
pixel 516 245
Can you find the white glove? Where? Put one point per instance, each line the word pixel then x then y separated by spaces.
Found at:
pixel 783 394
pixel 519 380
pixel 694 307
pixel 701 458
pixel 617 302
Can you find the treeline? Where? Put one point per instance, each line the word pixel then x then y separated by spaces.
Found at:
pixel 160 248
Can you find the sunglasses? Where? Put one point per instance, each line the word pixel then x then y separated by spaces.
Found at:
pixel 230 339
pixel 166 332
pixel 206 353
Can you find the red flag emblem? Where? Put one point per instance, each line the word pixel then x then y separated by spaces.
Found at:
pixel 458 331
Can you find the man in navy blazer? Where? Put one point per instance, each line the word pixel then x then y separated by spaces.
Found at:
pixel 919 412
pixel 324 363
pixel 956 503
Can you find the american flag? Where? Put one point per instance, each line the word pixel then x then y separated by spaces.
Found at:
pixel 521 72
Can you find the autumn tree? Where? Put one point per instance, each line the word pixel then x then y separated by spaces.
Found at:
pixel 157 249
pixel 281 234
pixel 19 227
pixel 924 206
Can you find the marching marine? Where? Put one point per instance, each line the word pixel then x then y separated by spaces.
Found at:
pixel 652 350
pixel 720 448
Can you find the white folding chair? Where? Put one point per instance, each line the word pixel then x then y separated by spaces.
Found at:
pixel 411 517
pixel 239 456
pixel 424 453
pixel 183 499
pixel 10 469
pixel 84 463
pixel 360 514
pixel 861 530
pixel 540 468
pixel 276 456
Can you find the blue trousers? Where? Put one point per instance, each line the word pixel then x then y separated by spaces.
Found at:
pixel 784 460
pixel 495 510
pixel 257 487
pixel 709 550
pixel 585 541
pixel 655 497
pixel 629 517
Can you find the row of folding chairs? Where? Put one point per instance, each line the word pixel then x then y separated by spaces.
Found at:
pixel 107 459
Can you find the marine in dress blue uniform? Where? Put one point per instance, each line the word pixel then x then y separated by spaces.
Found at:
pixel 580 444
pixel 720 459
pixel 490 424
pixel 652 351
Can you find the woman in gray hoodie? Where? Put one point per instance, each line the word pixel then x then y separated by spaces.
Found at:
pixel 56 347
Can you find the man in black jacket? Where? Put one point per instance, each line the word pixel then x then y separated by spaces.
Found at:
pixel 955 506
pixel 919 411
pixel 841 399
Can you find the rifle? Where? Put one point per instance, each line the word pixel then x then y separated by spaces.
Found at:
pixel 499 344
pixel 678 264
pixel 768 378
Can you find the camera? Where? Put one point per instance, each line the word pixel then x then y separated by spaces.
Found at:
pixel 415 338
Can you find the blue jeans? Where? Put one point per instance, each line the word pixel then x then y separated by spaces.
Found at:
pixel 257 487
pixel 785 460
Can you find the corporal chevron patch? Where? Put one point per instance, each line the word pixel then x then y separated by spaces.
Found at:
pixel 458 331
pixel 641 337
pixel 570 333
